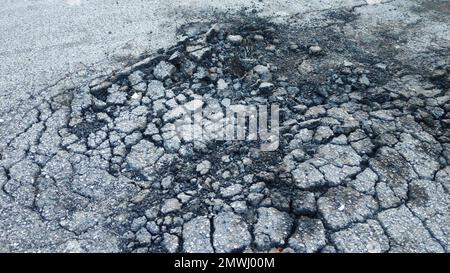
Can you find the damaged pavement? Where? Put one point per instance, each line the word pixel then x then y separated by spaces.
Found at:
pixel 363 163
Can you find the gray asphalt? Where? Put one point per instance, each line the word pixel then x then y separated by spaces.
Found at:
pixel 48 47
pixel 44 41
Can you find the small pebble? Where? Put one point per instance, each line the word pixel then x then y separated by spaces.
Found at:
pixel 314 50
pixel 235 39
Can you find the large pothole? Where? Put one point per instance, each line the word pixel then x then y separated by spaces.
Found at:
pixel 362 140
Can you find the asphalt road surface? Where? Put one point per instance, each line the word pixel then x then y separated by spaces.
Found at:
pixel 89 91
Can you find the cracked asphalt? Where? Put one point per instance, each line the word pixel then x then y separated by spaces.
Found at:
pixel 89 161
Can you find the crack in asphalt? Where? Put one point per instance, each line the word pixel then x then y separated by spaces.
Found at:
pixel 105 148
